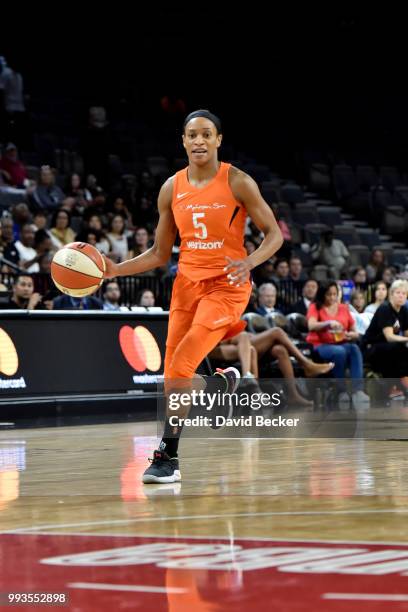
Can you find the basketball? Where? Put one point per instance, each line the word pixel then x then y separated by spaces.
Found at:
pixel 77 269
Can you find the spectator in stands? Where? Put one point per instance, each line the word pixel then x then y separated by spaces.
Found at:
pixel 119 208
pixel 141 241
pixel 356 307
pixel 61 232
pixel 111 296
pixel 12 168
pixel 145 298
pixel 95 224
pixel 21 215
pixel 359 276
pixel 296 272
pixel 331 252
pixel 388 275
pixel 332 332
pixel 40 220
pixel 66 302
pixel 44 261
pixel 380 295
pixel 281 271
pixel 386 340
pixel 308 295
pixel 121 248
pixel 9 250
pixel 81 195
pixel 250 246
pixel 267 295
pixel 358 300
pixel 27 255
pixel 23 296
pixel 264 273
pixel 376 266
pixel 47 194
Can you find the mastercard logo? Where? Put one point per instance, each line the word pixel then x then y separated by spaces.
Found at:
pixel 8 355
pixel 139 348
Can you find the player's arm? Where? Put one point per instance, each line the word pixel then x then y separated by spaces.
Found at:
pixel 160 252
pixel 247 192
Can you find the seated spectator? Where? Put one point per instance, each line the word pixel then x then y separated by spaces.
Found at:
pixel 121 248
pixel 23 296
pixel 27 256
pixel 81 195
pixel 119 208
pixel 386 340
pixel 308 295
pixel 44 261
pixel 141 241
pixel 296 272
pixel 376 266
pixel 61 232
pixel 358 300
pixel 281 271
pixel 276 343
pixel 356 306
pixel 267 295
pixel 359 276
pixel 21 215
pixel 8 249
pixel 12 168
pixel 111 296
pixel 67 302
pixel 331 252
pixel 388 275
pixel 40 220
pixel 380 295
pixel 145 298
pixel 264 273
pixel 95 224
pixel 47 194
pixel 332 332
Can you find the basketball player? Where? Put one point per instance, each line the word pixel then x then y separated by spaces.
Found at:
pixel 207 203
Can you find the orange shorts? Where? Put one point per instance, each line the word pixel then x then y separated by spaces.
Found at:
pixel 214 305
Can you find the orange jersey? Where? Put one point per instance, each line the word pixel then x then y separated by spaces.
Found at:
pixel 211 225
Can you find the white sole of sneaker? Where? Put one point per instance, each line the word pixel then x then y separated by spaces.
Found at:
pixel 150 479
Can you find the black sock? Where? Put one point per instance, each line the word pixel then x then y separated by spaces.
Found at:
pixel 171 438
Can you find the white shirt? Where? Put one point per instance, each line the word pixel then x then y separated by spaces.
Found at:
pixel 27 254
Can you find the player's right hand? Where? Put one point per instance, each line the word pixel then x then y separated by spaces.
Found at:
pixel 111 268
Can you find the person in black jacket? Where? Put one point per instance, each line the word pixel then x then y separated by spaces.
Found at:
pixel 386 339
pixel 308 295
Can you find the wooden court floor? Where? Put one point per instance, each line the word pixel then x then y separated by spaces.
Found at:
pixel 289 524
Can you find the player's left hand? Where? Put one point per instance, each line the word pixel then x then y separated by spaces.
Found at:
pixel 237 271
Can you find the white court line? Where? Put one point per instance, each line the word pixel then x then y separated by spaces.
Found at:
pixel 206 517
pixel 135 588
pixel 158 536
pixel 366 596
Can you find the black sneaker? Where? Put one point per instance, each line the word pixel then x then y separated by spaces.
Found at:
pixel 231 376
pixel 232 379
pixel 162 469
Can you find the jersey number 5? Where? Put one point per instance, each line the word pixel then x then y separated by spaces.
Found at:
pixel 200 226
